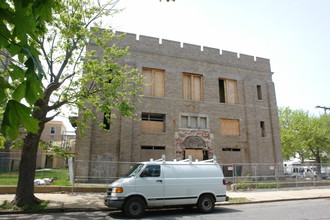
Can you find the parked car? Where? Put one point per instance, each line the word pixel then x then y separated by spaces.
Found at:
pixel 324 176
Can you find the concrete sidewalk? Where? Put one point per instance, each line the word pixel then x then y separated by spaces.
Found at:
pixel 94 201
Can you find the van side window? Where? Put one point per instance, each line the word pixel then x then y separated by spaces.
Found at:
pixel 151 171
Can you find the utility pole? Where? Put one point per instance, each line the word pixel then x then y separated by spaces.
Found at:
pixel 324 108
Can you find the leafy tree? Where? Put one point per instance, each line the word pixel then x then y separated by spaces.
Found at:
pixel 304 135
pixel 35 93
pixel 293 133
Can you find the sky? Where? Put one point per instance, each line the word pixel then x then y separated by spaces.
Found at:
pixel 293 34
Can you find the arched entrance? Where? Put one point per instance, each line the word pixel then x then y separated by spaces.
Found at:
pixel 195 146
pixel 198 143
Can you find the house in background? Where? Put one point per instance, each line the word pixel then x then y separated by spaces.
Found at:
pixel 54 134
pixel 201 102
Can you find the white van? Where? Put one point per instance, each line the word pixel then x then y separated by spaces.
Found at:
pixel 168 183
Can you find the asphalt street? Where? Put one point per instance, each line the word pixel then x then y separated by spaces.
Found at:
pixel 314 209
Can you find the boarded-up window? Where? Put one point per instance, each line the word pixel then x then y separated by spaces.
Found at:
pixel 195 153
pixel 229 127
pixel 228 91
pixel 152 122
pixel 156 80
pixel 154 152
pixel 193 87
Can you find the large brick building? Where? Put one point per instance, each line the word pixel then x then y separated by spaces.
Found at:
pixel 202 102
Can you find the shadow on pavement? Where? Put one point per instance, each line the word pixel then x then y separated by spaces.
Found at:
pixel 172 213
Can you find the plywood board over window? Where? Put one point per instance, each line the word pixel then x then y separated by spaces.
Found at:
pixel 229 127
pixel 155 78
pixel 195 153
pixel 152 122
pixel 154 152
pixel 232 91
pixel 193 87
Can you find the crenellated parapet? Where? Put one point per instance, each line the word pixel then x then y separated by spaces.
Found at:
pixel 189 51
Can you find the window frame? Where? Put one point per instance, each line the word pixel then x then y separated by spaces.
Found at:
pixel 224 131
pixel 259 93
pixel 225 93
pixel 262 128
pixel 53 130
pixel 153 87
pixel 144 173
pixel 154 120
pixel 189 88
pixel 198 117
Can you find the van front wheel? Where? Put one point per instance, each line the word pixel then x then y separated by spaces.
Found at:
pixel 206 203
pixel 134 207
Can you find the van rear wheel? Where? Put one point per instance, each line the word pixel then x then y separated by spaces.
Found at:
pixel 206 203
pixel 134 207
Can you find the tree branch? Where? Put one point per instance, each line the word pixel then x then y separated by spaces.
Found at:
pixel 47 119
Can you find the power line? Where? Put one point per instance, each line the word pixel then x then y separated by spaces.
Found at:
pixel 324 108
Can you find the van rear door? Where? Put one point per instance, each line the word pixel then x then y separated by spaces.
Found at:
pixel 150 184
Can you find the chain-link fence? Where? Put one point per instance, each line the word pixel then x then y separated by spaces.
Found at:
pixel 238 175
pixel 270 175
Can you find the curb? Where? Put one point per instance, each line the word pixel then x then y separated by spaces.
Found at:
pixel 275 200
pixel 58 210
pixel 54 189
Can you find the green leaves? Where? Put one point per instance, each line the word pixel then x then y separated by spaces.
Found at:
pixel 22 23
pixel 303 135
pixel 17 114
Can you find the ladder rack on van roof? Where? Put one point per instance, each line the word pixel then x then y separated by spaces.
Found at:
pixel 213 160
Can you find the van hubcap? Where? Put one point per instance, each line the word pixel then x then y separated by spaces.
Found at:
pixel 207 204
pixel 135 207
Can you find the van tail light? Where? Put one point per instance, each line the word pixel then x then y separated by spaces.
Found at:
pixel 223 181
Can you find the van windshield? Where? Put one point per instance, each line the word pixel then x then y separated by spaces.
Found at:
pixel 134 170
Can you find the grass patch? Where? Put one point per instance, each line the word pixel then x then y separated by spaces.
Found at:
pixel 6 205
pixel 238 200
pixel 266 185
pixel 61 177
pixel 247 186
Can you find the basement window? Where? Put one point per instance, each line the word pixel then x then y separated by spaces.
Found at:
pixel 231 149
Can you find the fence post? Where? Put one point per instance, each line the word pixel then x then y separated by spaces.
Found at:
pixel 255 175
pixel 276 175
pixel 108 172
pixel 71 170
pixel 234 176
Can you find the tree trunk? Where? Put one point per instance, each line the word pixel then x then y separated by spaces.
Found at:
pixel 318 164
pixel 25 186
